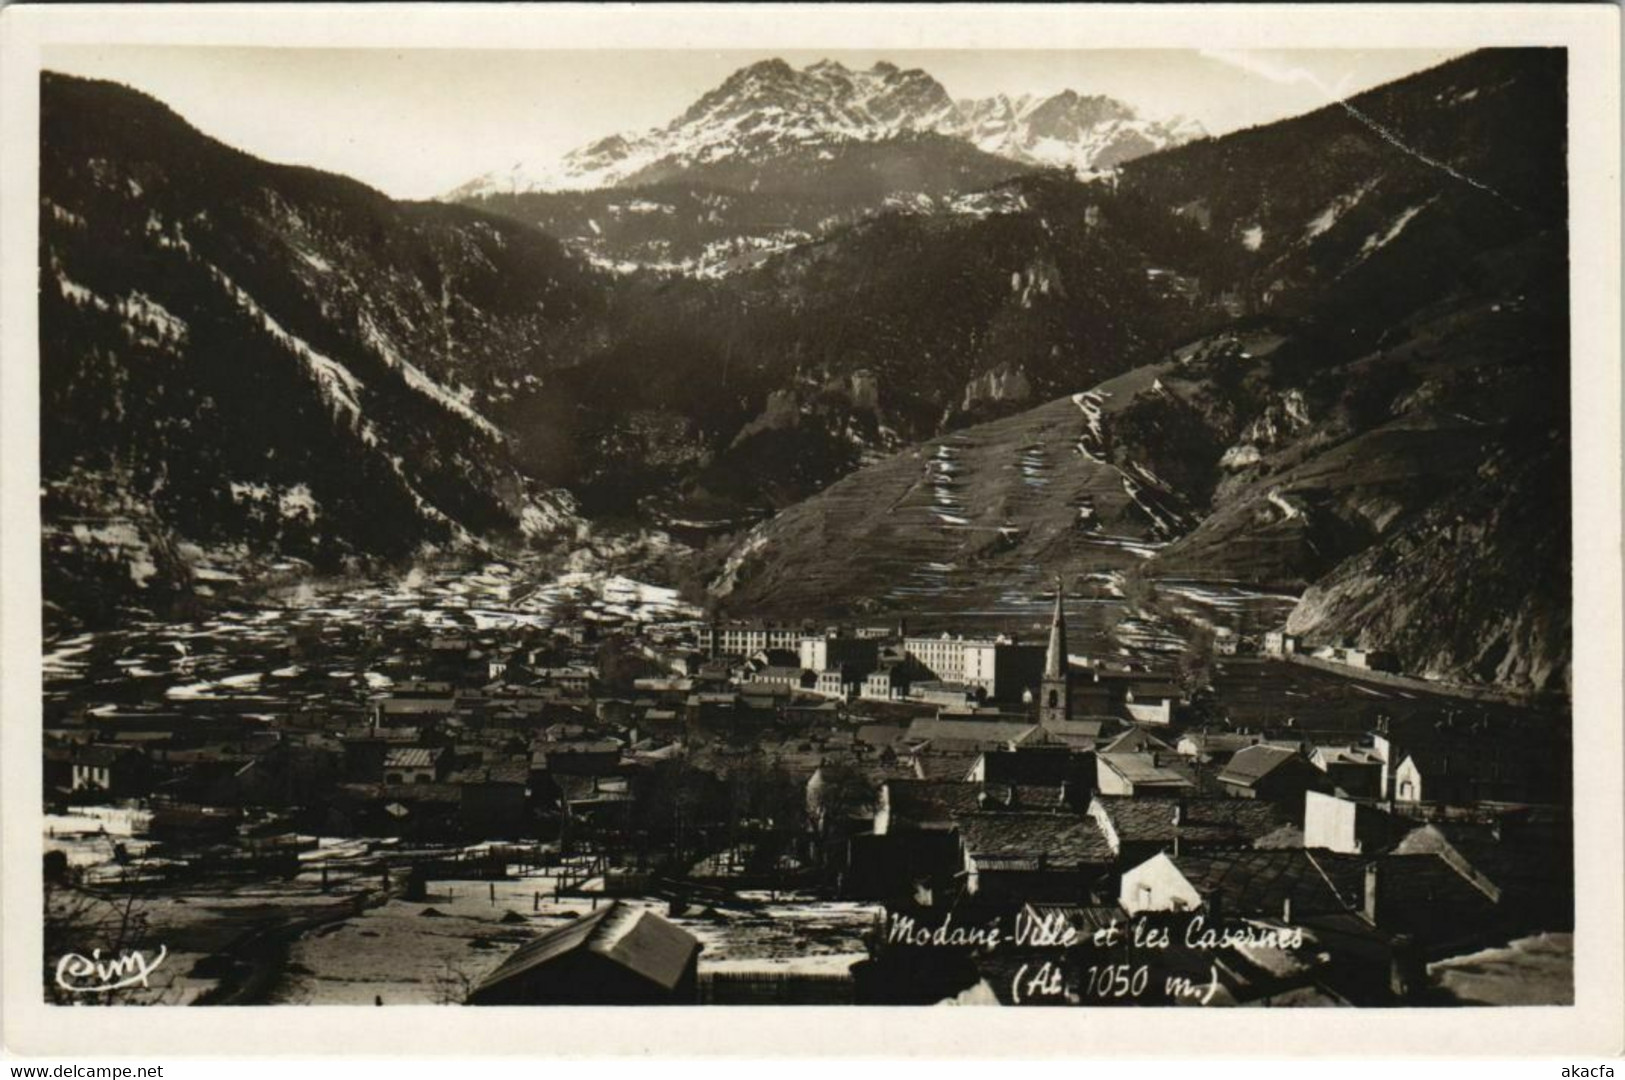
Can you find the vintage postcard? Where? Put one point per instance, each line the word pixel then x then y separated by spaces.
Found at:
pixel 812 512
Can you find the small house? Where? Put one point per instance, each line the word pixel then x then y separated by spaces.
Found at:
pixel 1279 644
pixel 1271 772
pixel 1020 857
pixel 618 955
pixel 1140 774
pixel 1150 702
pixel 414 765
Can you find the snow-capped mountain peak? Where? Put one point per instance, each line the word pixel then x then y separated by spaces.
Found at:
pixel 770 108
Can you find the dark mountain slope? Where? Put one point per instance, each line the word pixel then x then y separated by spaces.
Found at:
pixel 239 352
pixel 719 218
pixel 772 383
pixel 1379 386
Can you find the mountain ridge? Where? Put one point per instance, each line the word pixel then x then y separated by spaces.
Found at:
pixel 769 108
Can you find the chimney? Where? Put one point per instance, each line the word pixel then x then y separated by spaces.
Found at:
pixel 1372 887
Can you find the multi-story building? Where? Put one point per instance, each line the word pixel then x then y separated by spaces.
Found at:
pixel 821 652
pixel 886 683
pixel 943 656
pixel 1003 669
pixel 744 639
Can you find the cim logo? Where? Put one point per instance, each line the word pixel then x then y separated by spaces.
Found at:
pixel 80 974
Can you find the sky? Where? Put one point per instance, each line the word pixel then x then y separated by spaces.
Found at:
pixel 416 123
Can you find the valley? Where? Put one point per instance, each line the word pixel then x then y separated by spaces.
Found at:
pixel 644 576
pixel 876 384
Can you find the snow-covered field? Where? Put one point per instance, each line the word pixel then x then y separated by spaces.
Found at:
pixel 402 954
pixel 1535 970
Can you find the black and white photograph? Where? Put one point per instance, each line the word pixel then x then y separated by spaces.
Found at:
pixel 715 525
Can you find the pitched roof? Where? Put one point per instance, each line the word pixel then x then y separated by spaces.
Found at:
pixel 1221 741
pixel 1019 841
pixel 1086 729
pixel 879 734
pixel 1144 770
pixel 1213 822
pixel 1348 755
pixel 1032 765
pixel 505 772
pixel 1134 739
pixel 966 733
pixel 411 757
pixel 1259 882
pixel 1252 763
pixel 1524 857
pixel 1424 897
pixel 937 764
pixel 636 939
pixel 930 802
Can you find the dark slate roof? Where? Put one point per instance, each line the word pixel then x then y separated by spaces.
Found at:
pixel 449 794
pixel 1259 882
pixel 879 734
pixel 1251 764
pixel 1030 766
pixel 507 772
pixel 1286 836
pixel 1018 841
pixel 1424 897
pixel 638 940
pixel 1525 858
pixel 931 802
pixel 1212 822
pixel 936 764
pixel 966 733
pixel 1083 729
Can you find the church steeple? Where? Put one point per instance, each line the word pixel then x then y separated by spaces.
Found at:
pixel 1055 659
pixel 1055 694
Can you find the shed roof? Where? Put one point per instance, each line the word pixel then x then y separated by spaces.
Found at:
pixel 636 939
pixel 1251 764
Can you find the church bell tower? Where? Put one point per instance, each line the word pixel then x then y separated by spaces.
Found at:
pixel 1055 692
